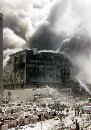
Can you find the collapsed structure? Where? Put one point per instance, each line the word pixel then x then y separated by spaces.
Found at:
pixel 33 67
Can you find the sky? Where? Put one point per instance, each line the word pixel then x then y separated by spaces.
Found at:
pixel 59 25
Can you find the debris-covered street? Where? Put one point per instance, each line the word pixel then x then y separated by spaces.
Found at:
pixel 46 113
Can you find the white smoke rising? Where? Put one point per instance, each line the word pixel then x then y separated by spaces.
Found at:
pixel 62 43
pixel 12 40
pixel 68 16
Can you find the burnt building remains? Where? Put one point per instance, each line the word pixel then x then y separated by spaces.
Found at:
pixel 32 67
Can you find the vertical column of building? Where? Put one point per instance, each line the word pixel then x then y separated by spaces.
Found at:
pixel 25 68
pixel 1 55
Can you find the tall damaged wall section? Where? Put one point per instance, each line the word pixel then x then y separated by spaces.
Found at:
pixel 1 55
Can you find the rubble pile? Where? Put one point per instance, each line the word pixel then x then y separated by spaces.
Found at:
pixel 45 113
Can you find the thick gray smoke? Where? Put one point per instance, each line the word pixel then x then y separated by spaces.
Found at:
pixel 62 25
pixel 45 39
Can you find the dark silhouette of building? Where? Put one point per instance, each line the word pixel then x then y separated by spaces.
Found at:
pixel 32 67
pixel 1 55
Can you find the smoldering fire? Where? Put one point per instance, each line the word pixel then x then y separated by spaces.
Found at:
pixel 46 24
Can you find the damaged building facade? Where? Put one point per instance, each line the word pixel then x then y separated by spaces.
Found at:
pixel 32 67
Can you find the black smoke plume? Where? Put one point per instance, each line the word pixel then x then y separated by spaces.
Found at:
pixel 45 39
